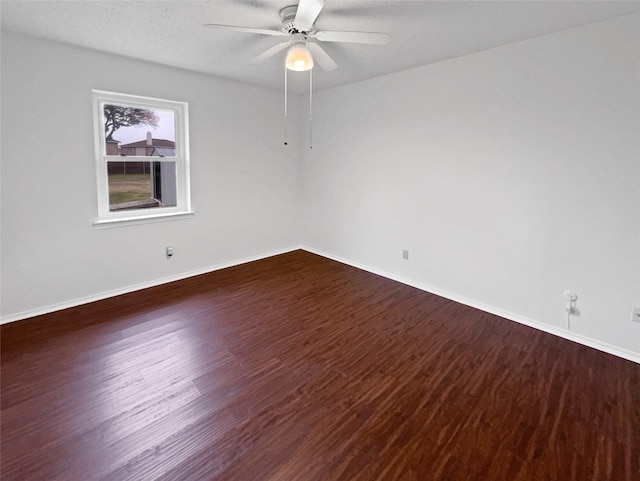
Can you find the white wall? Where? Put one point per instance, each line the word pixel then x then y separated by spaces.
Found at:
pixel 244 183
pixel 511 175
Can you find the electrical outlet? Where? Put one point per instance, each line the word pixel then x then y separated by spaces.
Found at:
pixel 570 305
pixel 169 252
pixel 636 314
pixel 405 254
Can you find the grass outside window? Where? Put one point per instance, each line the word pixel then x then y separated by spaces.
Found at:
pixel 129 188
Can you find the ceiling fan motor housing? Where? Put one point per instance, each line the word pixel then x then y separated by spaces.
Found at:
pixel 288 16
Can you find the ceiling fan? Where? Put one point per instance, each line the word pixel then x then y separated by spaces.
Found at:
pixel 298 24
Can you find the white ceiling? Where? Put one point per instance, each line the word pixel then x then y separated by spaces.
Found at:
pixel 423 32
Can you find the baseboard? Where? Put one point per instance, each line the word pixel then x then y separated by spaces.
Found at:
pixel 136 287
pixel 586 341
pixel 541 326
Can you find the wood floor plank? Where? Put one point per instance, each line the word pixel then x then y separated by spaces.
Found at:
pixel 297 367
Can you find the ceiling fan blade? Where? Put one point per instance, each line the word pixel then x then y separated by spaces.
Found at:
pixel 372 38
pixel 261 31
pixel 322 57
pixel 271 52
pixel 308 11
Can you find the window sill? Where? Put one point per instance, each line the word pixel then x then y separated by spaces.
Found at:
pixel 127 221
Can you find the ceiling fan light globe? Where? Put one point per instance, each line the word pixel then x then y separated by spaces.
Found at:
pixel 299 58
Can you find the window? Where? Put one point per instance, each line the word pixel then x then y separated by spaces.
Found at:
pixel 142 158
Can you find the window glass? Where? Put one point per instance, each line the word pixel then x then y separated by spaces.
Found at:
pixel 136 131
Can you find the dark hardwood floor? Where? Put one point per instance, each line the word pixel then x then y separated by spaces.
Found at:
pixel 300 368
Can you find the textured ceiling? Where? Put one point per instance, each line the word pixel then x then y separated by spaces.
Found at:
pixel 423 32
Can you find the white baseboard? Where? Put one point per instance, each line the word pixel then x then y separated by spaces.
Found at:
pixel 586 341
pixel 136 287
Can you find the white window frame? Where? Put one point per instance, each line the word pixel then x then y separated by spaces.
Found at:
pixel 107 218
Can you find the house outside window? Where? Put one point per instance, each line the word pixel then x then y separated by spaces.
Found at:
pixel 142 159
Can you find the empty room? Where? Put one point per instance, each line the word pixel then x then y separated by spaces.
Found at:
pixel 320 240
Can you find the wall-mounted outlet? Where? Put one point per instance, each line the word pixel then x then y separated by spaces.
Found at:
pixel 169 252
pixel 405 254
pixel 635 317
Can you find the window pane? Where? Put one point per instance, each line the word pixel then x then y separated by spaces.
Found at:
pixel 134 131
pixel 141 185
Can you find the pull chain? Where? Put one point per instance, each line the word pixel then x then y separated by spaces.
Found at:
pixel 286 122
pixel 310 106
